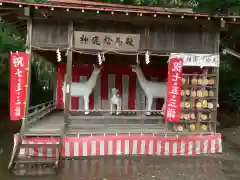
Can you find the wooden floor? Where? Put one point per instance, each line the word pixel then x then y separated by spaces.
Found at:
pixel 54 122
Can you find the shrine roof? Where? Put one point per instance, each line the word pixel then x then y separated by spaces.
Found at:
pixel 109 7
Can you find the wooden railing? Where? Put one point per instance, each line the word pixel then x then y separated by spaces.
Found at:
pixel 39 111
pixel 106 120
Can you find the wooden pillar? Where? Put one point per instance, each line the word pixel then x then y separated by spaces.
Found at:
pixel 27 103
pixel 29 50
pixel 216 51
pixel 69 74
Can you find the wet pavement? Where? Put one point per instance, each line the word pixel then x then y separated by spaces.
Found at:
pixel 224 166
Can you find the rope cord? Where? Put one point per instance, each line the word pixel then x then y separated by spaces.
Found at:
pixel 96 53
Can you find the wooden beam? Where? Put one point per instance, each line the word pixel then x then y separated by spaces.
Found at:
pixel 144 20
pixel 115 117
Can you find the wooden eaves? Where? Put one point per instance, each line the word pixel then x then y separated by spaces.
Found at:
pixel 155 12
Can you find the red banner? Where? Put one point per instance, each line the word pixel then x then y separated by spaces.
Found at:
pixel 172 111
pixel 18 85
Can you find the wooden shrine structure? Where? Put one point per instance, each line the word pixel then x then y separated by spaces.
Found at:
pixel 80 30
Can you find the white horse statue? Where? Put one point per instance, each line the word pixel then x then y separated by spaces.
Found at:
pixel 83 89
pixel 115 100
pixel 151 89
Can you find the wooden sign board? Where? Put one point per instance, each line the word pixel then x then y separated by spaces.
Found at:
pixel 106 41
pixel 200 60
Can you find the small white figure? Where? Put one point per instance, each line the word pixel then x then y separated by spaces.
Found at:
pixel 151 89
pixel 83 89
pixel 115 101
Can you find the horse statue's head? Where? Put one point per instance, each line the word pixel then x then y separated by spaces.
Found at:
pixel 115 91
pixel 135 68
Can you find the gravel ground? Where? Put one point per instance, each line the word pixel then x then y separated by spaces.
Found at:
pixel 224 166
pixel 232 135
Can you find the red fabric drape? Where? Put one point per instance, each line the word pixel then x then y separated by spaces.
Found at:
pixel 118 83
pixel 104 85
pixel 75 100
pixel 59 87
pixel 60 78
pixel 132 91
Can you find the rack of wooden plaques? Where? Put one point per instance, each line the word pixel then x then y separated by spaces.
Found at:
pixel 199 100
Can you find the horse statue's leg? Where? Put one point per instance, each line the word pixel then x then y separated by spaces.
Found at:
pixel 86 104
pixel 149 105
pixel 119 106
pixel 111 107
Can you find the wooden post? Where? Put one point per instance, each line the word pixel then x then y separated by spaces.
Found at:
pixel 16 148
pixel 69 74
pixel 216 51
pixel 29 49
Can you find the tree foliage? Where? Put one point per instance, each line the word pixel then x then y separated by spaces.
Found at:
pixel 12 40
